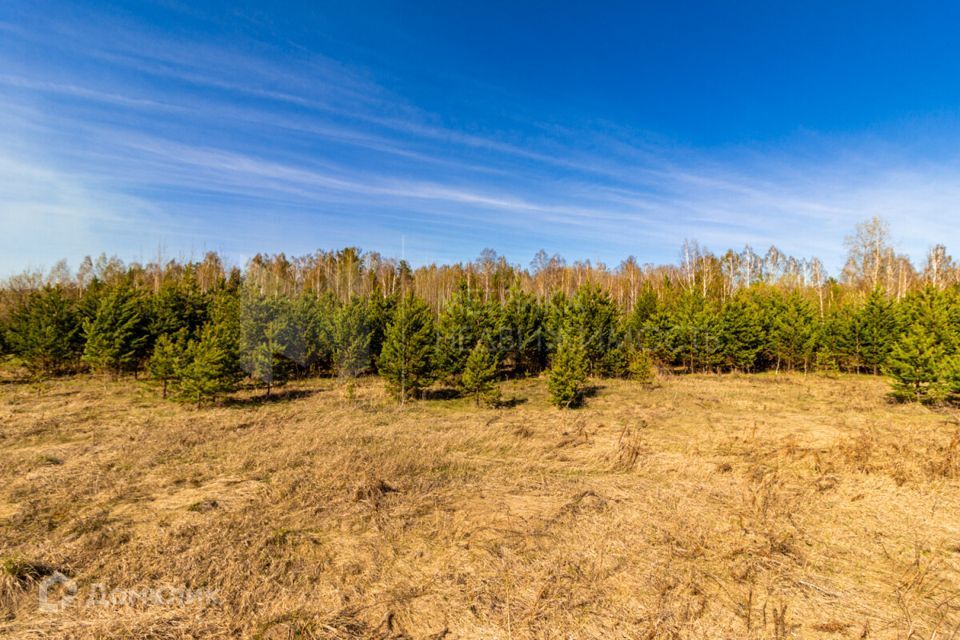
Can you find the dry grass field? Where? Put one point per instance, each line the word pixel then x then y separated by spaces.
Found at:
pixel 711 507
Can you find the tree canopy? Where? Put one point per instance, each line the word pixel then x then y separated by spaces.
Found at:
pixel 348 312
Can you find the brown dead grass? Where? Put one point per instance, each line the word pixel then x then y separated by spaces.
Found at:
pixel 710 507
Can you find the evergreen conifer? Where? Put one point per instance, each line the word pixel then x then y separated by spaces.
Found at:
pixel 406 361
pixel 595 317
pixel 464 320
pixel 641 367
pixel 166 363
pixel 522 329
pixel 480 373
pixel 44 332
pixel 568 371
pixel 351 340
pixel 206 369
pixel 878 330
pixel 116 336
pixel 915 364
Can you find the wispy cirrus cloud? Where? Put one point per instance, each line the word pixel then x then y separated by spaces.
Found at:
pixel 121 137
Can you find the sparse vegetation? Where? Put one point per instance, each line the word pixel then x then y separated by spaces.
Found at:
pixel 764 506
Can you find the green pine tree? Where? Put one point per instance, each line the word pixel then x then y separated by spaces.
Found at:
pixel 206 370
pixel 44 332
pixel 166 363
pixel 522 326
pixel 90 301
pixel 568 371
pixel 351 340
pixel 794 333
pixel 658 336
pixel 841 346
pixel 915 363
pixel 949 378
pixel 224 324
pixel 949 382
pixel 556 312
pixel 179 305
pixel 268 337
pixel 116 335
pixel 878 326
pixel 642 367
pixel 379 312
pixel 311 319
pixel 596 318
pixel 741 334
pixel 464 320
pixel 695 333
pixel 643 310
pixel 480 373
pixel 931 308
pixel 407 360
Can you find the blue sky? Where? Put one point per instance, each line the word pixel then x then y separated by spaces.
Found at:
pixel 594 130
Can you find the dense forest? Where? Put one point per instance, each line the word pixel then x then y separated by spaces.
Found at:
pixel 200 328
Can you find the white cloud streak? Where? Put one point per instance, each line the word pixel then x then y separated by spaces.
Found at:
pixel 183 143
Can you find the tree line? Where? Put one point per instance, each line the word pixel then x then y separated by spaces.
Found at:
pixel 199 329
